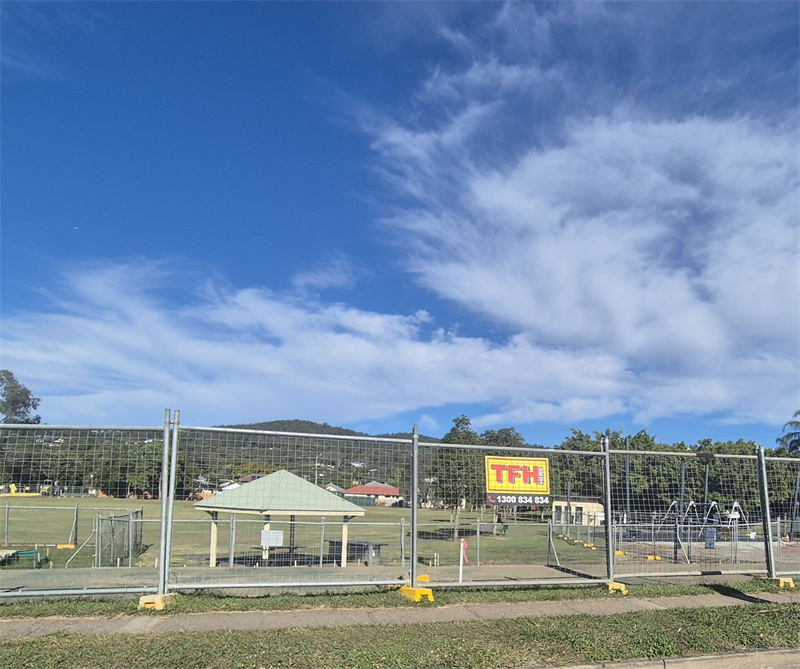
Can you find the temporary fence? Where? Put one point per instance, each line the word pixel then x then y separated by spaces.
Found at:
pixel 682 513
pixel 783 483
pixel 195 508
pixel 461 540
pixel 118 539
pixel 322 510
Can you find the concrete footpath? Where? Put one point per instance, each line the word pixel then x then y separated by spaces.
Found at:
pixel 265 620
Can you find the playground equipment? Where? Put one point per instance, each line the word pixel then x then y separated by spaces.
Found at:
pixel 689 533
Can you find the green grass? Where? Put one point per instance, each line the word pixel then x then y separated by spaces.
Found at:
pixel 205 602
pixel 48 521
pixel 473 645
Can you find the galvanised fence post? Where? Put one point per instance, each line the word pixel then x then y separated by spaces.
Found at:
pixel 766 517
pixel 609 515
pixel 164 492
pixel 414 504
pixel 173 473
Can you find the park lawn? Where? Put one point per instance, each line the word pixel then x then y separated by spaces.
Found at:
pixel 474 645
pixel 48 522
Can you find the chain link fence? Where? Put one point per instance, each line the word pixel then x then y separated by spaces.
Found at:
pixel 112 509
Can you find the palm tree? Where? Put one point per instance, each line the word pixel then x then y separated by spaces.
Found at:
pixel 791 440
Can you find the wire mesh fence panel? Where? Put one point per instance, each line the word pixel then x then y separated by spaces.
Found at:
pixel 783 484
pixel 676 512
pixel 118 539
pixel 578 533
pixel 259 508
pixel 54 484
pixel 25 524
pixel 467 533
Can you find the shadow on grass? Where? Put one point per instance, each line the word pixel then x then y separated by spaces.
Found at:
pixel 727 591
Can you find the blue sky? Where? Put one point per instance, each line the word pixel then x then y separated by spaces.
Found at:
pixel 543 215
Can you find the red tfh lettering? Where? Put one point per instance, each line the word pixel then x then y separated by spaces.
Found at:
pixel 511 473
pixel 498 472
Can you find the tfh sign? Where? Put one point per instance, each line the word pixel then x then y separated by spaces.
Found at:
pixel 510 473
pixel 517 481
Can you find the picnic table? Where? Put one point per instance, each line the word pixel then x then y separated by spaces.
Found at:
pixel 366 552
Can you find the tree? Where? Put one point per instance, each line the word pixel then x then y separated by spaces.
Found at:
pixel 458 471
pixel 791 440
pixel 506 437
pixel 461 432
pixel 16 401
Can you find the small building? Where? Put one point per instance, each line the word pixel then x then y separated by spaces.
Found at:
pixel 335 489
pixel 249 478
pixel 374 493
pixel 578 512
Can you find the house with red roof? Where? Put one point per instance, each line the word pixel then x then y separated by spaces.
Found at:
pixel 374 493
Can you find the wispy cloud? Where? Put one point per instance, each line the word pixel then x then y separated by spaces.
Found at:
pixel 110 348
pixel 669 244
pixel 337 272
pixel 28 27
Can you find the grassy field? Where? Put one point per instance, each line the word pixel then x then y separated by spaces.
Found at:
pixel 474 645
pixel 45 523
pixel 48 522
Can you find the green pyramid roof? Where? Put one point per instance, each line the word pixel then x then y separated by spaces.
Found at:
pixel 280 494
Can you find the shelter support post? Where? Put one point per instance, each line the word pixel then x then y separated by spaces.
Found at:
pixel 212 551
pixel 265 549
pixel 345 526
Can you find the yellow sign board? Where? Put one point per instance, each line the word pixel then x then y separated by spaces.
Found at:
pixel 518 481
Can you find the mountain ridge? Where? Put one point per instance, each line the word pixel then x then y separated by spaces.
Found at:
pixel 301 426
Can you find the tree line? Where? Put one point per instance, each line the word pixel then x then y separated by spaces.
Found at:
pixel 119 464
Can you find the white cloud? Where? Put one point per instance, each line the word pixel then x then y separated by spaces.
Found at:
pixel 664 242
pixel 337 272
pixel 110 350
pixel 668 245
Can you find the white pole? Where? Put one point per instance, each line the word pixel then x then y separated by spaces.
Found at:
pixel 461 559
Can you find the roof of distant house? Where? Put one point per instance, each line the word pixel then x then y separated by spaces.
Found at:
pixel 373 488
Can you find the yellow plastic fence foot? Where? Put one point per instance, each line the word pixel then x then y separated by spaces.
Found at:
pixel 783 582
pixel 620 553
pixel 156 602
pixel 618 587
pixel 416 594
pixel 423 578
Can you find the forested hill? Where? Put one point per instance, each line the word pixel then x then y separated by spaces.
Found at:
pixel 310 427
